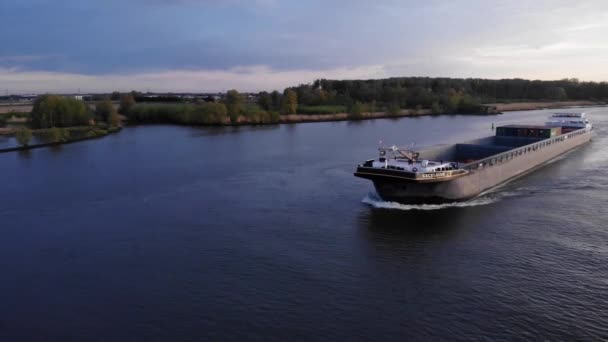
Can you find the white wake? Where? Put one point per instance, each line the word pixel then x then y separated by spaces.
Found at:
pixel 375 201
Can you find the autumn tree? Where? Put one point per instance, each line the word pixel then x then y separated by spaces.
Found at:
pixel 114 119
pixel 290 102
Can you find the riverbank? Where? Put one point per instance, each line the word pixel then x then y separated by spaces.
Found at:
pixel 76 134
pixel 497 108
pixel 517 106
pixel 301 118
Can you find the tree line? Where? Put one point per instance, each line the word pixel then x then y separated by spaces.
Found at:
pixel 59 111
pixel 58 119
pixel 233 109
pixel 356 97
pixel 323 96
pixel 443 95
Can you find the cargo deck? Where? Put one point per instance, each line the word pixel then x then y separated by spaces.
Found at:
pixel 461 171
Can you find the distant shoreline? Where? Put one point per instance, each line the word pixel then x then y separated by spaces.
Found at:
pixel 538 105
pixel 500 108
pixel 308 118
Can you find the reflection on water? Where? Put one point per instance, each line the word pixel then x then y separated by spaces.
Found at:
pixel 223 130
pixel 404 224
pixel 24 154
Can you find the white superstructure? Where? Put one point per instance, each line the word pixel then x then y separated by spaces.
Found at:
pixel 404 159
pixel 569 120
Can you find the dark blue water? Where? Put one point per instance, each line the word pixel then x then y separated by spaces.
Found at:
pixel 186 234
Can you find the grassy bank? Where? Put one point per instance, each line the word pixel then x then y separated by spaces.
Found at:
pixel 59 136
pixel 251 114
pixel 199 114
pixel 304 110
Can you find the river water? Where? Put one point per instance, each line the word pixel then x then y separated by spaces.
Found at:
pixel 262 233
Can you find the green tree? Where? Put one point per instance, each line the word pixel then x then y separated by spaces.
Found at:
pixel 450 103
pixel 104 110
pixel 23 136
pixel 435 108
pixel 290 102
pixel 556 93
pixel 393 109
pixel 356 110
pixel 64 134
pixel 234 104
pixel 410 92
pixel 372 107
pixel 115 96
pixel 277 100
pixel 58 111
pixel 468 105
pixel 265 100
pixel 54 134
pixel 126 103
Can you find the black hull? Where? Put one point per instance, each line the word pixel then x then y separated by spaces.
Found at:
pixel 414 193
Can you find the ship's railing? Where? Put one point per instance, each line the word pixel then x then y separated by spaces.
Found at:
pixel 439 174
pixel 402 173
pixel 399 172
pixel 514 153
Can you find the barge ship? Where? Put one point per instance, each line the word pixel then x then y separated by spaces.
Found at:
pixel 459 172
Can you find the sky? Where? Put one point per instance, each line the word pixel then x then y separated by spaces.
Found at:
pixel 253 45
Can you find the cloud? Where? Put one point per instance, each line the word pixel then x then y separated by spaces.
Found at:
pixel 297 40
pixel 252 78
pixel 218 3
